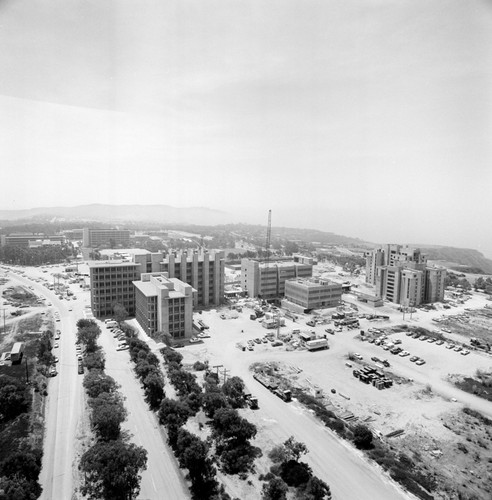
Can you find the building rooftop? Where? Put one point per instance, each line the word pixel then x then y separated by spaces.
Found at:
pixel 111 263
pixel 146 287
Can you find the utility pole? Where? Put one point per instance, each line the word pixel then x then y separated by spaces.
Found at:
pixel 217 367
pixel 27 372
pixel 225 372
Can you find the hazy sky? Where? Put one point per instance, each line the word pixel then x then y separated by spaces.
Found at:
pixel 369 118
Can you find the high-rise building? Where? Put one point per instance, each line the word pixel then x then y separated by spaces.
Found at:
pixel 95 238
pixel 112 283
pixel 164 305
pixel 267 279
pixel 204 271
pixel 401 275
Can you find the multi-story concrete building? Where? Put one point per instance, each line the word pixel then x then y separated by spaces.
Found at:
pixel 401 275
pixel 164 305
pixel 202 270
pixel 267 279
pixel 95 238
pixel 111 283
pixel 28 240
pixel 313 293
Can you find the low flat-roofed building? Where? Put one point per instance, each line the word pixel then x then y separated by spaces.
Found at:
pixel 164 305
pixel 26 239
pixel 313 293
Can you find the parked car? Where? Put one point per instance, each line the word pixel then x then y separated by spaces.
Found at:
pixel 414 358
pixel 125 347
pixel 439 342
pixel 465 352
pixel 420 362
pixel 358 356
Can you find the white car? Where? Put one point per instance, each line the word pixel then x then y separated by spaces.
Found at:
pixel 122 348
pixel 358 356
pixel 404 353
pixel 465 352
pixel 56 345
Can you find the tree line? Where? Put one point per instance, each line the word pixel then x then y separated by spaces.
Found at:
pixel 112 466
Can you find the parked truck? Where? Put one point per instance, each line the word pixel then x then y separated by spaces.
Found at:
pixel 251 400
pixel 17 352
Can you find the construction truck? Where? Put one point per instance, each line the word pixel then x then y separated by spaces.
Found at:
pixel 251 400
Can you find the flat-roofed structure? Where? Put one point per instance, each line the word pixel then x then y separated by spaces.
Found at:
pixel 164 305
pixel 267 279
pixel 401 275
pixel 204 271
pixel 95 238
pixel 111 283
pixel 30 240
pixel 313 293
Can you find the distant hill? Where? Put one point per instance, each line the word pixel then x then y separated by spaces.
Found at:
pixel 120 213
pixel 464 260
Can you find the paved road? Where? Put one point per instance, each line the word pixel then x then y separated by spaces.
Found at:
pixel 64 403
pixel 162 479
pixel 345 469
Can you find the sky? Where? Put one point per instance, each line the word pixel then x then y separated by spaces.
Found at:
pixel 367 118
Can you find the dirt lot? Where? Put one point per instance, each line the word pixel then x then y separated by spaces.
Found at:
pixel 422 402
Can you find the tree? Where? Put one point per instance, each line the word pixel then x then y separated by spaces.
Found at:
pixel 279 454
pixel 88 333
pixel 362 437
pixel 45 356
pixel 95 361
pixel 120 313
pixel 213 401
pixel 295 448
pixel 295 473
pixel 275 489
pixel 112 470
pixel 316 489
pixel 108 413
pixel 192 454
pixel 171 355
pixel 14 398
pixel 173 413
pixel 228 425
pixel 97 382
pixel 154 390
pixel 19 488
pixel 238 458
pixel 234 390
pixel 23 463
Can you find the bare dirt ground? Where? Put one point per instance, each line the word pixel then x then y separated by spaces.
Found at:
pixel 424 403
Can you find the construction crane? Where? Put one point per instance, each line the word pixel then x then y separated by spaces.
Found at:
pixel 268 237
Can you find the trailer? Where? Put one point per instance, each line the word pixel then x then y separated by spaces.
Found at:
pixel 316 345
pixel 17 352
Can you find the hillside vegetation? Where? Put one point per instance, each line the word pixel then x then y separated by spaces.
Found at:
pixel 467 259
